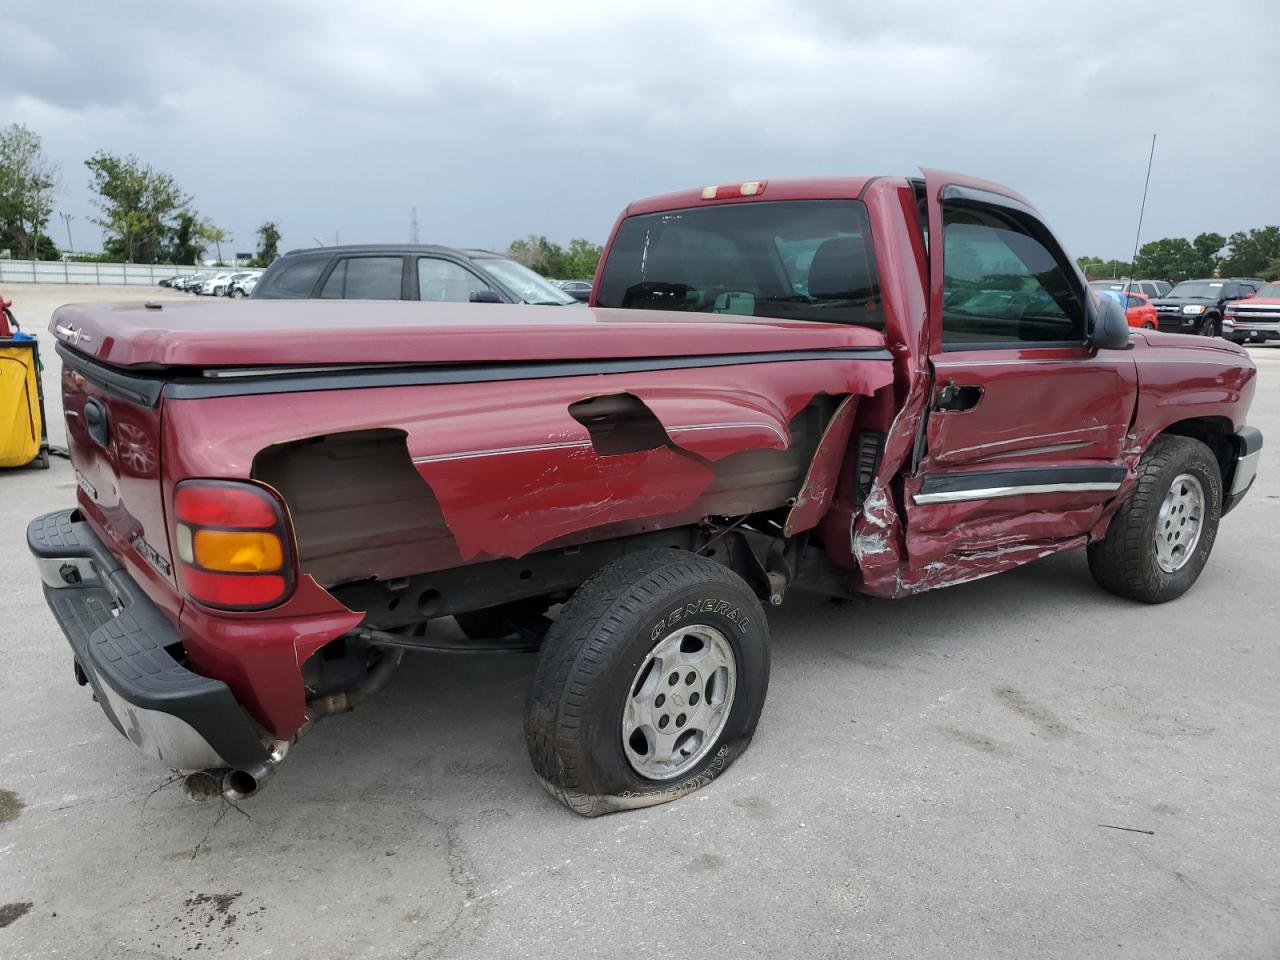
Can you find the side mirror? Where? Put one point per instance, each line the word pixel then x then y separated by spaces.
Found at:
pixel 485 296
pixel 1110 326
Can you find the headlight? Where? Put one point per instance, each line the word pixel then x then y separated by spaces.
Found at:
pixel 1193 308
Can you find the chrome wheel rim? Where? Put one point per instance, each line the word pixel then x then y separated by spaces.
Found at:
pixel 1179 523
pixel 679 702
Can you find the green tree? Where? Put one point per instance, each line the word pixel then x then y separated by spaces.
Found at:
pixel 1172 258
pixel 1207 247
pixel 187 244
pixel 582 259
pixel 268 245
pixel 540 254
pixel 1253 253
pixel 140 206
pixel 27 181
pixel 215 235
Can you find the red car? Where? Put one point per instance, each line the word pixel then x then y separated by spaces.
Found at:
pixel 1254 319
pixel 1139 311
pixel 779 390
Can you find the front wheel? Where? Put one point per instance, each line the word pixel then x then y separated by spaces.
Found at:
pixel 1160 539
pixel 650 683
pixel 1209 328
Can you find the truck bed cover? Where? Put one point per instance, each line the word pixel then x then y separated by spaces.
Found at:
pixel 278 333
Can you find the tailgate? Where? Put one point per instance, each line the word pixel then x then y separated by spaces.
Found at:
pixel 113 435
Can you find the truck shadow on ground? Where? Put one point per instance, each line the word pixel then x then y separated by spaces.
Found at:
pixel 451 725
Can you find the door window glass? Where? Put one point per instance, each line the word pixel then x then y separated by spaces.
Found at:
pixel 295 279
pixel 446 281
pixel 1003 285
pixel 364 278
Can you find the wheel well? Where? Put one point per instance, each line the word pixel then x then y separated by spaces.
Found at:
pixel 1216 434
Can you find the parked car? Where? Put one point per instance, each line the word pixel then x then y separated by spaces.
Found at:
pixel 406 272
pixel 168 281
pixel 266 522
pixel 1137 308
pixel 1148 288
pixel 1254 319
pixel 244 286
pixel 216 285
pixel 578 289
pixel 233 279
pixel 195 283
pixel 1197 306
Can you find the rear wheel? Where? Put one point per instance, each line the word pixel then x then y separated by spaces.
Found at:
pixel 1160 539
pixel 650 683
pixel 1148 325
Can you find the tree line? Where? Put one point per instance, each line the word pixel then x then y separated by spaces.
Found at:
pixel 145 215
pixel 1246 253
pixel 579 262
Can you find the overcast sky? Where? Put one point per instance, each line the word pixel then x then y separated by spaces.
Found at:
pixel 499 119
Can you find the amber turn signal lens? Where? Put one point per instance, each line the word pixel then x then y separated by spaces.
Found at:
pixel 238 551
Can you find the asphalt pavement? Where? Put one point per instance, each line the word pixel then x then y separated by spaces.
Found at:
pixel 1021 767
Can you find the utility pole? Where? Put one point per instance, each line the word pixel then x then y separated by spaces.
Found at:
pixel 66 219
pixel 413 224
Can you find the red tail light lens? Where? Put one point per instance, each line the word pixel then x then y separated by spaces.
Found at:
pixel 232 544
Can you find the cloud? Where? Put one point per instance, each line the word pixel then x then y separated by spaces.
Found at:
pixel 504 118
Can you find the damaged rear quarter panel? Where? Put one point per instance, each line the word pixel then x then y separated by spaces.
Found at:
pixel 511 470
pixel 510 466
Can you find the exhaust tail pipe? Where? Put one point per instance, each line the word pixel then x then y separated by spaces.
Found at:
pixel 235 785
pixel 240 784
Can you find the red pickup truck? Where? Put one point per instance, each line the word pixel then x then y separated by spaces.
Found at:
pixel 845 386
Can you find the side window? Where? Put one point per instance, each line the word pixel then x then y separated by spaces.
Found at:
pixel 444 280
pixel 1134 301
pixel 1001 285
pixel 364 278
pixel 295 279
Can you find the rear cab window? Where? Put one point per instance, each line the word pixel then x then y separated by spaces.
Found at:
pixel 790 260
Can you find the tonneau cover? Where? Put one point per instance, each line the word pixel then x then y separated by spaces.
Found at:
pixel 274 333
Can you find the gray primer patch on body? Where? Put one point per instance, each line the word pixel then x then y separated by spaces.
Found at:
pixel 10 806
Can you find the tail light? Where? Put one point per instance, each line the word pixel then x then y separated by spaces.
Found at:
pixel 233 547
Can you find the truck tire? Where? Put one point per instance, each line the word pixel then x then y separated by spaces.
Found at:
pixel 1160 539
pixel 650 683
pixel 1209 328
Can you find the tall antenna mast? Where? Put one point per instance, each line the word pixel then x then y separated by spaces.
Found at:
pixel 413 224
pixel 1143 209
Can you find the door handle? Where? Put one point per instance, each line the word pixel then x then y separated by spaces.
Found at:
pixel 957 397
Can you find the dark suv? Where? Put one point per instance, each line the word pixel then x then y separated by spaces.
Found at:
pixel 405 272
pixel 1196 306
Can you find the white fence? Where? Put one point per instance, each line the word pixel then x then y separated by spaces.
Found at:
pixel 70 271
